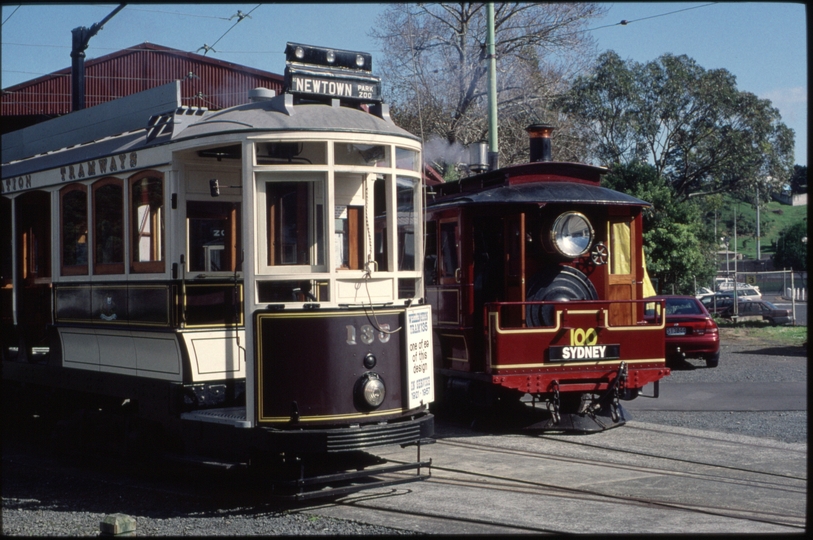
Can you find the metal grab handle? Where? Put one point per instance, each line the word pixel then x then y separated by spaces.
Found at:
pixel 458 275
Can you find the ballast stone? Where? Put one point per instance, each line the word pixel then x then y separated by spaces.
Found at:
pixel 118 525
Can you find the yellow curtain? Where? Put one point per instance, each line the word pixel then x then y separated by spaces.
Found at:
pixel 649 290
pixel 620 248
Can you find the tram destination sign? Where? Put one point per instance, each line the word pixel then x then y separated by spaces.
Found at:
pixel 333 84
pixel 585 352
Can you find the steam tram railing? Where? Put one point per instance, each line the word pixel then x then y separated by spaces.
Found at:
pixel 578 340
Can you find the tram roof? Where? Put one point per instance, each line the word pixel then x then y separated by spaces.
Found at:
pixel 280 114
pixel 542 193
pixel 129 124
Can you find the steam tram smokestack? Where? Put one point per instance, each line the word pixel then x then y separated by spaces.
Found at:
pixel 539 135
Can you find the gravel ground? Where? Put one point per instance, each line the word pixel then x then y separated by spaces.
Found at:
pixel 741 360
pixel 45 497
pixel 42 496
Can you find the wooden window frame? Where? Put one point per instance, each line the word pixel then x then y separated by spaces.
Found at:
pixel 303 216
pixel 114 267
pixel 73 269
pixel 146 267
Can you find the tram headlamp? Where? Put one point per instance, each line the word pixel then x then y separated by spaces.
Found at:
pixel 299 52
pixel 331 57
pixel 359 60
pixel 370 391
pixel 572 234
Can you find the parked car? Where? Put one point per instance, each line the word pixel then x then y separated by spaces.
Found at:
pixel 759 308
pixel 690 330
pixel 716 304
pixel 743 289
pixel 703 291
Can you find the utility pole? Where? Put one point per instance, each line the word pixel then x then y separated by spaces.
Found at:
pixel 493 145
pixel 81 37
pixel 759 257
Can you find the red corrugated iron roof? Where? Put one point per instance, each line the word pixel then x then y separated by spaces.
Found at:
pixel 206 82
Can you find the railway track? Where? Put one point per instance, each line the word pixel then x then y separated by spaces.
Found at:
pixel 617 481
pixel 669 487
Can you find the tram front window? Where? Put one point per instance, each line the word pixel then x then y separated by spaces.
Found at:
pixel 407 193
pixel 294 213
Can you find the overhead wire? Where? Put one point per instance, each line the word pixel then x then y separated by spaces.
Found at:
pixel 12 13
pixel 240 16
pixel 625 22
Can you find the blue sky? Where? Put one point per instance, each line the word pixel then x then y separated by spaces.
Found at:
pixel 763 44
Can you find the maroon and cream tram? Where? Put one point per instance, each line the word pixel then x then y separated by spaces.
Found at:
pixel 535 274
pixel 248 279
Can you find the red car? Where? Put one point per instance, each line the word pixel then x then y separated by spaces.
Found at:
pixel 690 330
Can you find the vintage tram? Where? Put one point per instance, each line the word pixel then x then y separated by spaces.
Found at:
pixel 536 277
pixel 248 280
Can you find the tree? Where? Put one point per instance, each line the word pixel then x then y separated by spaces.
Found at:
pixel 693 125
pixel 791 247
pixel 435 72
pixel 678 247
pixel 798 182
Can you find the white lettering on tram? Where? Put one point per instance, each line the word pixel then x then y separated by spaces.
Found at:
pixel 315 86
pixel 595 351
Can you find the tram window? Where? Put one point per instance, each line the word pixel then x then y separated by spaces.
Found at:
pixel 349 237
pixel 406 193
pixel 292 153
pixel 407 159
pixel 369 155
pixel 620 243
pixel 74 229
pixel 214 236
pixel 33 211
pixel 430 266
pixel 108 229
pixel 147 222
pixel 350 196
pixel 293 291
pixel 448 248
pixel 295 231
pixel 381 243
pixel 407 287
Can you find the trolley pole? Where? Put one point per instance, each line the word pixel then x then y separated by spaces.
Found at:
pixel 493 145
pixel 80 38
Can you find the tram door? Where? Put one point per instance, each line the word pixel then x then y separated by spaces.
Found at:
pixel 514 268
pixel 33 248
pixel 622 269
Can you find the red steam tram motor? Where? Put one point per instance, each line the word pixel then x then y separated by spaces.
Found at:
pixel 537 281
